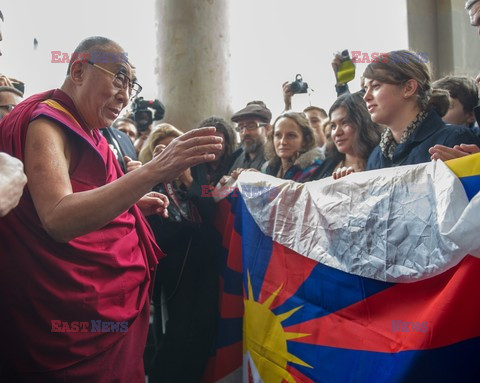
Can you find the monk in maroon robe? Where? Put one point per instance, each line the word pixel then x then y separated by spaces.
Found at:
pixel 77 256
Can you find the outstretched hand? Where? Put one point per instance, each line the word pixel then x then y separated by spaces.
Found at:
pixel 444 153
pixel 190 149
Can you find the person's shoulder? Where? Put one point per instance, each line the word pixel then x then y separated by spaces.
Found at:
pixel 374 159
pixel 325 168
pixel 455 135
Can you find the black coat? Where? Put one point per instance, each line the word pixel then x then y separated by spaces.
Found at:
pixel 432 131
pixel 121 144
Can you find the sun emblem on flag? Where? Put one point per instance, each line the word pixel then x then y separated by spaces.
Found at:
pixel 265 340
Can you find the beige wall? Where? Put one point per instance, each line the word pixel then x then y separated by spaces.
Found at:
pixel 442 28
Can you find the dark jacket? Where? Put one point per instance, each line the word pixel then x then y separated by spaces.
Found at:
pixel 120 144
pixel 302 170
pixel 326 168
pixel 432 131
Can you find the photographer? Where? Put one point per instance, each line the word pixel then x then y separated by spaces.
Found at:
pixel 316 115
pixel 144 117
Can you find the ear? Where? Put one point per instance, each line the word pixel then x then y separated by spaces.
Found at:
pixel 470 117
pixel 410 88
pixel 77 71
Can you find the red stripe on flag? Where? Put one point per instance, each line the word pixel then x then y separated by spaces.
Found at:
pixel 432 313
pixel 231 306
pixel 234 260
pixel 225 362
pixel 298 376
pixel 288 267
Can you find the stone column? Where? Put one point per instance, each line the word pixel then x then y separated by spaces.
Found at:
pixel 192 68
pixel 442 29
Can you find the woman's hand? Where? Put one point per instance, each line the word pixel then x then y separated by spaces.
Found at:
pixel 342 172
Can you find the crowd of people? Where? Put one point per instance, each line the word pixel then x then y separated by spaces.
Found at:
pixel 105 201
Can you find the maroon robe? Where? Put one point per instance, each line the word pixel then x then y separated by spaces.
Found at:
pixel 105 275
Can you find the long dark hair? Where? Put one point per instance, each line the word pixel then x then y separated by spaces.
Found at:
pixel 226 129
pixel 367 132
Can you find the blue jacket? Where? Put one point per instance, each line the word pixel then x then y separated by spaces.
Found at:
pixel 432 131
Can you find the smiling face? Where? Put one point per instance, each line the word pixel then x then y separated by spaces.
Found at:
pixel 97 98
pixel 287 138
pixel 343 131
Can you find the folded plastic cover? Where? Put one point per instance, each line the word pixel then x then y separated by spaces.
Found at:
pixel 400 224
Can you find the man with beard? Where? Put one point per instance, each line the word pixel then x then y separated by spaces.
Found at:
pixel 253 122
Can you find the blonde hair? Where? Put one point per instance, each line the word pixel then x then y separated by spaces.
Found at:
pixel 161 132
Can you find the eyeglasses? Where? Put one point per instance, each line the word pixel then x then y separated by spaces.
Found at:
pixel 249 126
pixel 121 81
pixel 7 107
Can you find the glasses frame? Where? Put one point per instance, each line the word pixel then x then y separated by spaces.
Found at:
pixel 239 128
pixel 132 92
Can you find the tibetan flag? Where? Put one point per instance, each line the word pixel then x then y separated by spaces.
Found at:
pixel 372 278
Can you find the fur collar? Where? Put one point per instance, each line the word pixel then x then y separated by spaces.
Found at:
pixel 304 160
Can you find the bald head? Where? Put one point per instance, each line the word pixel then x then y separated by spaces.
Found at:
pixel 98 49
pixel 469 4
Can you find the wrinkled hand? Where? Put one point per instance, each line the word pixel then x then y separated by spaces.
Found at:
pixel 131 164
pixel 444 153
pixel 158 149
pixel 287 95
pixel 154 203
pixel 190 149
pixel 12 182
pixel 342 172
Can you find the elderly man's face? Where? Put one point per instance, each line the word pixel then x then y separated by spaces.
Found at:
pixel 102 100
pixel 474 14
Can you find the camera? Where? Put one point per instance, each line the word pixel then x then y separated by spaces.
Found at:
pixel 346 70
pixel 298 86
pixel 146 111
